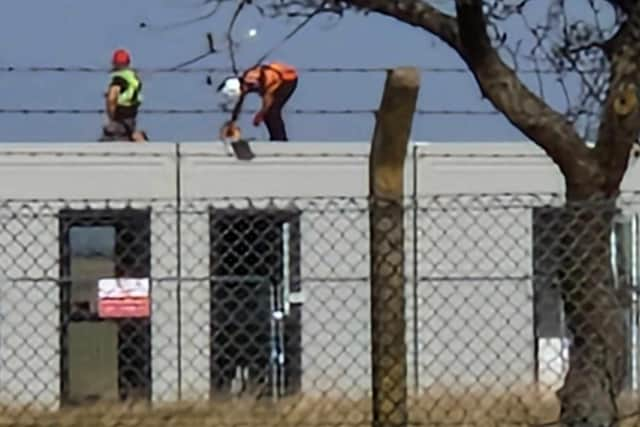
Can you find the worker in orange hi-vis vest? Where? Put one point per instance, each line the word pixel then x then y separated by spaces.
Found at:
pixel 274 82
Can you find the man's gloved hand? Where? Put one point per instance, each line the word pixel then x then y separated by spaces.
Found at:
pixel 258 118
pixel 230 131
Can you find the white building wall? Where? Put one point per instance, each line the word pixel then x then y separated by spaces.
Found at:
pixel 164 306
pixel 490 247
pixel 334 245
pixel 476 316
pixel 195 298
pixel 93 171
pixel 29 308
pixel 495 350
pixel 29 371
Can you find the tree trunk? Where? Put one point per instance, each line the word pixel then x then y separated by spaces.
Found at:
pixel 594 315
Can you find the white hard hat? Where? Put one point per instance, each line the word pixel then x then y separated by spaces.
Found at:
pixel 230 88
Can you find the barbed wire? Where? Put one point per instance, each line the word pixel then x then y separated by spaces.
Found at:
pixel 173 70
pixel 200 111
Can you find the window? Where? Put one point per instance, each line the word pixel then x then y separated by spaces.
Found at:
pixel 92 252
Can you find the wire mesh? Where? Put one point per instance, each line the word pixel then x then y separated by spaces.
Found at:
pixel 258 311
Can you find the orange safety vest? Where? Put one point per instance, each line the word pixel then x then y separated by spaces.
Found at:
pixel 269 77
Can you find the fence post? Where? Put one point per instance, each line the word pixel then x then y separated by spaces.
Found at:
pixel 386 224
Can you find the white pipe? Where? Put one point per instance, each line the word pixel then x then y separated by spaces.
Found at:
pixel 634 302
pixel 286 278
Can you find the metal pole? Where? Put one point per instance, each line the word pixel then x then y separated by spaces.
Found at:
pixel 414 196
pixel 273 354
pixel 634 302
pixel 179 268
pixel 286 276
pixel 286 303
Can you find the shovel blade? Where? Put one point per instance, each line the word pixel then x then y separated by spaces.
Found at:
pixel 242 149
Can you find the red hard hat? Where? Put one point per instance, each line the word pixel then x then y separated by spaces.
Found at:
pixel 120 58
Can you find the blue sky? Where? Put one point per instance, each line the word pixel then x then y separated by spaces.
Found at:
pixel 84 33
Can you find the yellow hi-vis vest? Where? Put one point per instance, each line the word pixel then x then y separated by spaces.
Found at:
pixel 133 94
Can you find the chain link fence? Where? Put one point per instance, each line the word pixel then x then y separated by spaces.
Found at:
pixel 257 311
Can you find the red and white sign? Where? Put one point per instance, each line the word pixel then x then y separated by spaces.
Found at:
pixel 123 297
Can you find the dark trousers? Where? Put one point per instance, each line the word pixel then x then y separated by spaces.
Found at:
pixel 119 130
pixel 273 118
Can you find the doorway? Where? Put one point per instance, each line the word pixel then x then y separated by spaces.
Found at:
pixel 255 330
pixel 551 337
pixel 96 244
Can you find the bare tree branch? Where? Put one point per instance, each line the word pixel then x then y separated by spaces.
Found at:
pixel 499 83
pixel 625 5
pixel 548 128
pixel 230 42
pixel 320 9
pixel 416 13
pixel 620 120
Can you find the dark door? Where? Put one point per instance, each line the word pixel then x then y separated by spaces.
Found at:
pixel 255 334
pixel 98 244
pixel 549 239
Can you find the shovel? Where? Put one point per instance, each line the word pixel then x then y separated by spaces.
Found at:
pixel 240 148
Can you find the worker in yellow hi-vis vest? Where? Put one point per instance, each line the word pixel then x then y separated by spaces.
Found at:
pixel 123 98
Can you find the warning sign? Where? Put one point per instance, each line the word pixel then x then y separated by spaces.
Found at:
pixel 123 297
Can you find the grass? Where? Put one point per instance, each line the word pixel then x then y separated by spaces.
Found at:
pixel 436 409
